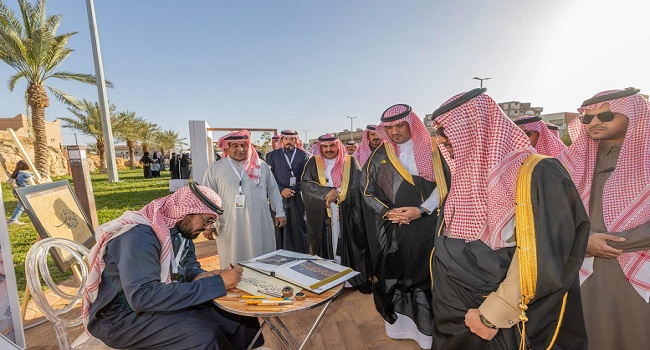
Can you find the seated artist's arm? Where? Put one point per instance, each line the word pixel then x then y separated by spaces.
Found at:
pixel 635 239
pixel 140 276
pixel 501 308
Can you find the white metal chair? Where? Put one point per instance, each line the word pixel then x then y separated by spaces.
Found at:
pixel 36 268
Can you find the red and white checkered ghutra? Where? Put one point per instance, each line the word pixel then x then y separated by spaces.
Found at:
pixel 547 143
pixel 337 170
pixel 419 135
pixel 253 163
pixel 488 152
pixel 626 195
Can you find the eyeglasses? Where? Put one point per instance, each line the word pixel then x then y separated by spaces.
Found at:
pixel 208 222
pixel 604 117
pixel 530 133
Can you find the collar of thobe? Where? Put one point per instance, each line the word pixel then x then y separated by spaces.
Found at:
pixel 329 165
pixel 407 157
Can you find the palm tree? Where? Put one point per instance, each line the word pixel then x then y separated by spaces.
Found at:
pixel 147 135
pixel 89 122
pixel 34 50
pixel 128 128
pixel 168 139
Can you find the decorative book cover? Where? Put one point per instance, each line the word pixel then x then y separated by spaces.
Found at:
pixel 310 272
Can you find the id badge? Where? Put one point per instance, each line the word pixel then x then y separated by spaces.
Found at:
pixel 240 199
pixel 292 181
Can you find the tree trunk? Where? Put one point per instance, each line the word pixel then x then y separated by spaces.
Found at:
pixel 101 151
pixel 38 101
pixel 145 147
pixel 131 145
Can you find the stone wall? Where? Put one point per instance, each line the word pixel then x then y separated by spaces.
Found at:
pixel 10 155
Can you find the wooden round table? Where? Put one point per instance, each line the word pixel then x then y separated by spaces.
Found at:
pixel 270 314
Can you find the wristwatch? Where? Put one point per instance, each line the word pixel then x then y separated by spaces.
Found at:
pixel 485 321
pixel 423 212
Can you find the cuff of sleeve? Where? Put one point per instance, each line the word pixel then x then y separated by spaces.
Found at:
pixel 214 284
pixel 498 312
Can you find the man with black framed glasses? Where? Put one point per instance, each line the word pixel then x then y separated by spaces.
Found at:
pixel 146 289
pixel 609 161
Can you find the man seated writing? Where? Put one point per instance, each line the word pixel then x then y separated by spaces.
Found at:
pixel 145 287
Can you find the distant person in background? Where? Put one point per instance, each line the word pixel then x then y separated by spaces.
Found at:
pixel 146 164
pixel 352 147
pixel 19 178
pixel 175 166
pixel 369 143
pixel 186 166
pixel 155 165
pixel 275 142
pixel 287 164
pixel 161 156
pixel 540 136
pixel 554 129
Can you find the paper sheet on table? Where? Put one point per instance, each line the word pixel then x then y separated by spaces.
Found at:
pixel 252 281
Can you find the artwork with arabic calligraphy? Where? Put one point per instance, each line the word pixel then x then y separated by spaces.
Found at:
pixel 55 212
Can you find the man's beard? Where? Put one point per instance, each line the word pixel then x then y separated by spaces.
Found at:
pixel 186 232
pixel 289 148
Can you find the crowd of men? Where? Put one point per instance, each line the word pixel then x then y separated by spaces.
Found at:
pixel 491 235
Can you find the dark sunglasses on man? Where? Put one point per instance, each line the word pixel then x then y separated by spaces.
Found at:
pixel 604 117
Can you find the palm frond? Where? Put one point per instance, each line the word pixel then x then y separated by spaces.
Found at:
pixel 13 80
pixel 63 97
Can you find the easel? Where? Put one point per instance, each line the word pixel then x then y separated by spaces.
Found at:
pixel 39 180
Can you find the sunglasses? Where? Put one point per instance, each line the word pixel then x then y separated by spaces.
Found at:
pixel 441 131
pixel 604 117
pixel 208 222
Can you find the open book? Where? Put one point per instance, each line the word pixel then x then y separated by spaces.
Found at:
pixel 310 272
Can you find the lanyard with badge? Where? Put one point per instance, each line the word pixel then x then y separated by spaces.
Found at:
pixel 292 179
pixel 240 199
pixel 177 269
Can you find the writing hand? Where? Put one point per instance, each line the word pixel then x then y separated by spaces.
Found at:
pixel 232 276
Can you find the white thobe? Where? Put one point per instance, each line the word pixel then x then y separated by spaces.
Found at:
pixel 336 227
pixel 244 233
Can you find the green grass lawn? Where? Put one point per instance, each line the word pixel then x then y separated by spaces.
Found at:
pixel 111 199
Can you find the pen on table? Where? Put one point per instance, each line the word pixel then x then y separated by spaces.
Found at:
pixel 231 266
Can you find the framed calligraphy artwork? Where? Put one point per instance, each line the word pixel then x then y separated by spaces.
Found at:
pixel 55 212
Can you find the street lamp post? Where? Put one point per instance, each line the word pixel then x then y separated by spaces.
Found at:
pixel 351 128
pixel 306 139
pixel 481 79
pixel 107 129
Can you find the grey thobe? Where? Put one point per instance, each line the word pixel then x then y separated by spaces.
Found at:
pixel 248 232
pixel 616 315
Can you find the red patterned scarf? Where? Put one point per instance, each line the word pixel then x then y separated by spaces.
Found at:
pixel 253 163
pixel 488 151
pixel 419 135
pixel 337 171
pixel 547 143
pixel 626 196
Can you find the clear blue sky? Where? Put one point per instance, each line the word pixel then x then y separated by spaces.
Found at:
pixel 308 64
